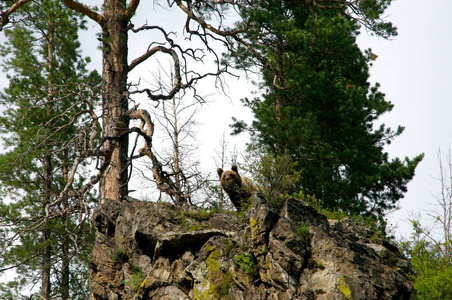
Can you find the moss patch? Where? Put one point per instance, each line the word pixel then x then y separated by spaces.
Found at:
pixel 248 263
pixel 119 256
pixel 254 230
pixel 343 287
pixel 218 281
pixel 222 289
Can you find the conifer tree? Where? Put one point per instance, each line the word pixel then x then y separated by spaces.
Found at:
pixel 319 108
pixel 49 93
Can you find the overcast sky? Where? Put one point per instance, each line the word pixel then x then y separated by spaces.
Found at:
pixel 414 70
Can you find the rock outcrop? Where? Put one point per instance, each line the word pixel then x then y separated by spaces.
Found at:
pixel 153 251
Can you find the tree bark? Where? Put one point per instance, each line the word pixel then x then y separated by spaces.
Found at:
pixel 113 184
pixel 177 176
pixel 47 177
pixel 65 243
pixel 45 232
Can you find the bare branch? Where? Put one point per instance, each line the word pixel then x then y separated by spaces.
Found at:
pixel 191 16
pixel 85 10
pixel 131 8
pixel 151 52
pixel 4 16
pixel 146 130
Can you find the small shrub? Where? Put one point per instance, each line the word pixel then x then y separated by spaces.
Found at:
pixel 119 256
pixel 275 177
pixel 303 231
pixel 247 262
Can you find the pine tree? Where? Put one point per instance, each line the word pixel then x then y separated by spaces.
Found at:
pixel 48 94
pixel 319 108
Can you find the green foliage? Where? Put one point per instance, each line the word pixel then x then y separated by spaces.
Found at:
pixel 119 256
pixel 431 264
pixel 44 103
pixel 275 177
pixel 137 277
pixel 202 215
pixel 248 263
pixel 319 109
pixel 303 231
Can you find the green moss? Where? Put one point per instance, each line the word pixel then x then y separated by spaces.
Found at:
pixel 119 256
pixel 222 289
pixel 248 263
pixel 253 223
pixel 343 287
pixel 303 231
pixel 313 264
pixel 200 216
pixel 254 230
pixel 213 265
pixel 210 289
pixel 206 294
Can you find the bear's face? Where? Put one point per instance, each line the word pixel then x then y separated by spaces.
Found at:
pixel 230 180
pixel 235 186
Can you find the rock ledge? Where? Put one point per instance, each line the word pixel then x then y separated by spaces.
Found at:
pixel 153 251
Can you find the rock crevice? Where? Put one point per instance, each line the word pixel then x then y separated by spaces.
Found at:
pixel 154 251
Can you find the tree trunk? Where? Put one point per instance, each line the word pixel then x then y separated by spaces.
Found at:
pixel 45 232
pixel 113 184
pixel 177 176
pixel 66 241
pixel 47 177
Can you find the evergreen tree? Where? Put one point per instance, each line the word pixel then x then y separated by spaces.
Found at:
pixel 49 92
pixel 319 108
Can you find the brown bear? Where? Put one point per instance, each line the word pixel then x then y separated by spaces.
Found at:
pixel 239 188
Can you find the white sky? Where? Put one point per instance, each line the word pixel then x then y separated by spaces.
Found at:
pixel 415 72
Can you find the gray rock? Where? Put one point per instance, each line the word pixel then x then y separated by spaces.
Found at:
pixel 154 251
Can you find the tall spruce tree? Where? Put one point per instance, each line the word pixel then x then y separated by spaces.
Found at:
pixel 319 108
pixel 49 92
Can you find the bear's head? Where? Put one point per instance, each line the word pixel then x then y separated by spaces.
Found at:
pixel 238 188
pixel 230 180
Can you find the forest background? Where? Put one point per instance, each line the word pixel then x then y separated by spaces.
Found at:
pixel 414 72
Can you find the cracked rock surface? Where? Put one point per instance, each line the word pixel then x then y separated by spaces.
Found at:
pixel 149 250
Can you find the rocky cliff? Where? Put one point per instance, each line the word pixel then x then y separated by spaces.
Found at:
pixel 153 251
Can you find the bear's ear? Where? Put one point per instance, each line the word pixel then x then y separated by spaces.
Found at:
pixel 219 171
pixel 234 168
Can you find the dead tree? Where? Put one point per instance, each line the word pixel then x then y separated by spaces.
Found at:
pixel 205 22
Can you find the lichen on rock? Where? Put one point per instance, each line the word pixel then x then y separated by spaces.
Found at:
pixel 153 251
